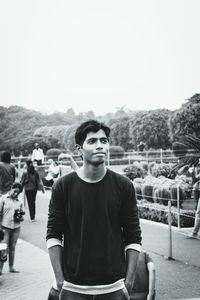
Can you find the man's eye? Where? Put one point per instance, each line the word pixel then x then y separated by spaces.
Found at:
pixel 91 141
pixel 104 141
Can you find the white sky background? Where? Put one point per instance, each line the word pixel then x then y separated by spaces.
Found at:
pixel 99 55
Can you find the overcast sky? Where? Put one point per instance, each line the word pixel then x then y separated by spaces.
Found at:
pixel 99 55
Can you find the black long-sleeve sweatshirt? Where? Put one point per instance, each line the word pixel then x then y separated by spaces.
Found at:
pixel 97 221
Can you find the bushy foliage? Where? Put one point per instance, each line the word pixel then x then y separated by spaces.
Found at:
pixel 116 152
pixel 134 171
pixel 52 134
pixel 120 133
pixel 159 213
pixel 156 128
pixel 152 128
pixel 54 153
pixel 186 119
pixel 161 195
pixel 161 189
pixel 69 139
pixel 161 169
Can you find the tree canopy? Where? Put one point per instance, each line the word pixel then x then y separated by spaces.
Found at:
pixel 20 128
pixel 186 120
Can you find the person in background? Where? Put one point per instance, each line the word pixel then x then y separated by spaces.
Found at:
pixel 64 169
pixel 93 211
pixel 145 279
pixel 7 173
pixel 11 212
pixel 53 172
pixel 196 180
pixel 38 155
pixel 196 192
pixel 32 183
pixel 196 228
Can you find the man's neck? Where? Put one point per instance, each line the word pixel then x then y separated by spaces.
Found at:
pixel 91 173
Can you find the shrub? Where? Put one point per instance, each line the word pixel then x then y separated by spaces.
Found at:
pixel 116 152
pixel 133 172
pixel 182 195
pixel 159 213
pixel 120 162
pixel 138 190
pixel 161 170
pixel 161 195
pixel 53 153
pixel 147 192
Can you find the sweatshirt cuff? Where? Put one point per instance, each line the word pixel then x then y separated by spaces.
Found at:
pixel 53 242
pixel 136 247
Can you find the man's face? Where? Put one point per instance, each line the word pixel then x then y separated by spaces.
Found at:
pixel 95 147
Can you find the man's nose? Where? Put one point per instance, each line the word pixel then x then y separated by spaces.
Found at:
pixel 99 144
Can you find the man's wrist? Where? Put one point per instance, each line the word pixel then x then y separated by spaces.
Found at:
pixel 129 285
pixel 59 282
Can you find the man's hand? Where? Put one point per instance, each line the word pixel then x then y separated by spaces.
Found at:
pixel 131 260
pixel 60 284
pixel 128 285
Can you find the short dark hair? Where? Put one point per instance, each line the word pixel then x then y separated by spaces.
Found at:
pixel 17 185
pixel 29 162
pixel 6 157
pixel 89 126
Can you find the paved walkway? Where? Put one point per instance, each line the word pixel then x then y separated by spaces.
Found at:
pixel 177 278
pixel 35 277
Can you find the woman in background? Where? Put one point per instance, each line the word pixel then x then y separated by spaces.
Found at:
pixel 11 214
pixel 32 183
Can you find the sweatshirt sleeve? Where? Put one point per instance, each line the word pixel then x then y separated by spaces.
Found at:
pixel 129 216
pixel 56 215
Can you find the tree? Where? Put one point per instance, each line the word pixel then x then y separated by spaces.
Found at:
pixel 187 148
pixel 186 119
pixel 152 128
pixel 120 133
pixel 54 135
pixel 69 139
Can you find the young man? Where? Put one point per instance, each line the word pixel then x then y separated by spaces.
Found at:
pixel 38 155
pixel 94 210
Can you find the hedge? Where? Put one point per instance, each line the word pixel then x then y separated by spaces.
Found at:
pixel 159 213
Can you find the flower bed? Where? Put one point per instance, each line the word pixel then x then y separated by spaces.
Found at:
pixel 159 213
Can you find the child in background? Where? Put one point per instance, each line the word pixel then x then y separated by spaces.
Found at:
pixel 144 284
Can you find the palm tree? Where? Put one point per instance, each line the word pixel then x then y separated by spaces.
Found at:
pixel 187 149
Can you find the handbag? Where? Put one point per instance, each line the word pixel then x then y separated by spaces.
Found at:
pixel 3 255
pixel 18 215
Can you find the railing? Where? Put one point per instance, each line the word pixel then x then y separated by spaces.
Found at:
pixel 169 213
pixel 127 158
